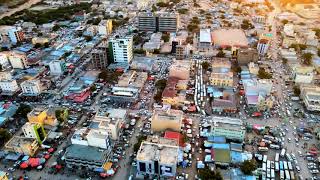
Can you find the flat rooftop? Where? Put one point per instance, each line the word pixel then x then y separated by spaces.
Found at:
pixel 165 154
pixel 86 153
pixel 229 37
pixel 205 36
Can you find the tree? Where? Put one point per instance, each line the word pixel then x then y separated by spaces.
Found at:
pixel 137 40
pixel 88 38
pixel 139 51
pixel 189 40
pixel 296 90
pixel 136 146
pixel 285 21
pixel 319 52
pixel 55 27
pixel 4 136
pixel 183 11
pixel 221 54
pixel 284 61
pixel 154 8
pixel 22 111
pixel 205 65
pixel 236 68
pixel 61 115
pixel 165 37
pixel 1 68
pixel 207 174
pixel 248 166
pixel 307 58
pixel 37 45
pixel 317 32
pixel 93 88
pixel 246 24
pixel 262 74
pixel 161 84
pixel 158 96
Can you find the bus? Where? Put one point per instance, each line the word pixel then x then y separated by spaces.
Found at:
pixel 289 165
pixel 276 159
pixel 281 165
pixel 265 158
pixel 263 149
pixel 282 175
pixel 285 165
pixel 264 167
pixel 292 175
pixel 276 166
pixel 268 164
pixel 272 174
pixel 287 174
pixel 283 152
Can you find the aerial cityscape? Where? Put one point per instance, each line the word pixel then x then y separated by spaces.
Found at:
pixel 159 89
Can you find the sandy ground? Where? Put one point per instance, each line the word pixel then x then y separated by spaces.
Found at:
pixel 20 8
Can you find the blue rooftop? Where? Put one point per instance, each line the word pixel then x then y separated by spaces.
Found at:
pixel 221 146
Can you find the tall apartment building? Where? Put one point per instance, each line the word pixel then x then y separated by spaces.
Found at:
pixel 179 52
pixel 263 44
pixel 121 49
pixel 161 22
pixel 31 87
pixel 99 59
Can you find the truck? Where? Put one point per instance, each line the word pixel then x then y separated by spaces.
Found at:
pixel 276 166
pixel 285 165
pixel 281 174
pixel 287 175
pixel 276 159
pixel 264 167
pixel 272 174
pixel 265 158
pixel 290 166
pixel 281 165
pixel 268 164
pixel 295 98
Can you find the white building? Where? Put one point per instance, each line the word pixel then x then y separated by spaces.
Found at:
pixel 91 137
pixel 311 97
pixel 4 59
pixel 158 156
pixel 263 46
pixel 122 50
pixel 303 74
pixel 31 87
pixel 9 85
pixel 18 60
pixel 57 67
pixel 105 27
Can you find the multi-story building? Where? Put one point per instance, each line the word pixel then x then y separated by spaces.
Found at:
pixel 31 87
pixel 23 145
pixel 180 70
pixel 99 59
pixel 105 27
pixel 111 120
pixel 18 60
pixel 161 22
pixel 231 128
pixel 4 59
pixel 303 74
pixel 167 119
pixel 205 39
pixel 132 79
pixel 121 49
pixel 57 67
pixel 15 35
pixel 4 175
pixel 35 131
pixel 311 97
pixel 91 137
pixel 180 52
pixel 263 44
pixel 158 156
pixel 9 86
pixel 221 73
pixel 43 116
pixel 245 56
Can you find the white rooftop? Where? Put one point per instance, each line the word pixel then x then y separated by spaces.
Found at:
pixel 205 35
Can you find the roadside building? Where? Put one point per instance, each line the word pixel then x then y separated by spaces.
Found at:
pixel 175 92
pixel 7 110
pixel 167 120
pixel 224 102
pixel 121 49
pixel 24 145
pixel 132 79
pixel 221 74
pixel 111 120
pixel 15 35
pixel 310 96
pixel 43 116
pixel 245 56
pixel 89 157
pixel 91 137
pixel 205 41
pixel 18 60
pixel 8 86
pixel 4 175
pixel 35 131
pixel 39 40
pixel 180 70
pixel 158 156
pixel 264 43
pixel 303 74
pixel 105 27
pixel 159 22
pixel 180 55
pixel 57 67
pixel 31 87
pixel 99 59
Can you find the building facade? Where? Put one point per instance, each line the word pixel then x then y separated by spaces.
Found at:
pixel 18 60
pixel 31 87
pixel 121 49
pixel 310 96
pixel 164 120
pixel 161 22
pixel 35 131
pixel 57 67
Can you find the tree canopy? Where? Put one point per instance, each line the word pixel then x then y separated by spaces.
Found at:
pixel 248 166
pixel 263 74
pixel 22 111
pixel 205 65
pixel 307 59
pixel 207 174
pixel 296 90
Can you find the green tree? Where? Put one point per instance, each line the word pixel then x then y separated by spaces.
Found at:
pixel 22 111
pixel 262 74
pixel 61 115
pixel 161 84
pixel 55 27
pixel 1 68
pixel 319 52
pixel 158 96
pixel 236 68
pixel 205 65
pixel 248 166
pixel 165 37
pixel 296 90
pixel 109 76
pixel 207 174
pixel 37 45
pixel 284 61
pixel 154 8
pixel 156 51
pixel 140 139
pixel 285 21
pixel 88 38
pixel 189 40
pixel 183 11
pixel 307 59
pixel 93 88
pixel 139 51
pixel 4 136
pixel 317 32
pixel 221 54
pixel 137 39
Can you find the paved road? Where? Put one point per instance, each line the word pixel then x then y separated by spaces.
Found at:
pixel 20 8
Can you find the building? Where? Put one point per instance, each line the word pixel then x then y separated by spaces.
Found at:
pixel 18 60
pixel 154 42
pixel 57 67
pixel 132 79
pixel 121 49
pixel 43 116
pixel 4 175
pixel 87 157
pixel 229 38
pixel 124 94
pixel 31 87
pixel 166 120
pixel 91 137
pixel 99 59
pixel 224 101
pixel 8 86
pixel 180 70
pixel 15 35
pixel 111 120
pixel 105 27
pixel 23 145
pixel 35 131
pixel 161 22
pixel 39 40
pixel 4 59
pixel 180 52
pixel 175 92
pixel 7 110
pixel 245 56
pixel 231 128
pixel 303 74
pixel 310 96
pixel 159 156
pixel 253 68
pixel 205 41
pixel 221 74
pixel 264 43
